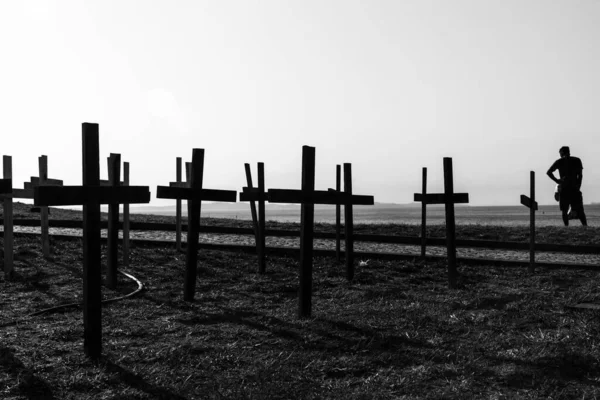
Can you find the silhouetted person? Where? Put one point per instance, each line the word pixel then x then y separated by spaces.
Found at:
pixel 570 170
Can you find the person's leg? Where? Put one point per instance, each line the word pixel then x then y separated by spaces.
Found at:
pixel 565 217
pixel 578 206
pixel 564 206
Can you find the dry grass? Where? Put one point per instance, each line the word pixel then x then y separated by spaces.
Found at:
pixel 396 331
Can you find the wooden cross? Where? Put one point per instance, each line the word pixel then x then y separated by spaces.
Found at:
pixel 194 193
pixel 178 206
pixel 308 197
pixel 42 180
pixel 448 198
pixel 5 194
pixel 91 195
pixel 530 203
pixel 113 219
pixel 252 195
pixel 338 170
pixel 112 235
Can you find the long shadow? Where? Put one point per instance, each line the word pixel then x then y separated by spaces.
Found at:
pixel 30 386
pixel 329 342
pixel 562 367
pixel 139 383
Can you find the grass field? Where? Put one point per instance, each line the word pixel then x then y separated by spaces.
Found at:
pixel 395 332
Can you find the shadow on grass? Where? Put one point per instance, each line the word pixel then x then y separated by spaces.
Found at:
pixel 137 382
pixel 561 368
pixel 29 385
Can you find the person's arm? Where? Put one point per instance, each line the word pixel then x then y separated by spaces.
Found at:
pixel 580 175
pixel 550 173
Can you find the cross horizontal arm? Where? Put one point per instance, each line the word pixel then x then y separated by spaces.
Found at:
pixel 6 186
pixel 179 184
pixel 106 182
pixel 81 195
pixel 526 201
pixel 49 182
pixel 317 197
pixel 251 194
pixel 168 192
pixel 440 198
pixel 22 193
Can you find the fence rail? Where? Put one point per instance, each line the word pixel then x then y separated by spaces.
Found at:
pixel 407 240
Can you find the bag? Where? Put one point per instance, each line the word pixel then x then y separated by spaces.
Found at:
pixel 557 191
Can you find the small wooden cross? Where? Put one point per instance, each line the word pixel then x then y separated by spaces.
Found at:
pixel 448 198
pixel 91 195
pixel 42 180
pixel 194 193
pixel 308 197
pixel 530 203
pixel 112 235
pixel 5 194
pixel 252 195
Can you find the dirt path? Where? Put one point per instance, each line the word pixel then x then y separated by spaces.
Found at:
pixel 520 255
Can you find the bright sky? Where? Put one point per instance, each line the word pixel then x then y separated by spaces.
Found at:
pixel 389 86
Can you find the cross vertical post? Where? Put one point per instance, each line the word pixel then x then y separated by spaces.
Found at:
pixel 191 268
pixel 338 188
pixel 349 222
pixel 533 206
pixel 252 204
pixel 45 230
pixel 532 223
pixel 261 218
pixel 194 193
pixel 252 194
pixel 424 215
pixel 307 217
pixel 114 175
pixel 450 222
pixel 8 220
pixel 178 207
pixel 126 224
pixel 92 278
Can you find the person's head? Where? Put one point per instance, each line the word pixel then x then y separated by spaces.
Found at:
pixel 564 152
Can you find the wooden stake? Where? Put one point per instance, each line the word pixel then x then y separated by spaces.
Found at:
pixel 307 216
pixel 43 170
pixel 112 261
pixel 8 221
pixel 261 219
pixel 450 222
pixel 252 205
pixel 178 208
pixel 532 222
pixel 191 270
pixel 424 215
pixel 338 188
pixel 349 222
pixel 126 224
pixel 92 278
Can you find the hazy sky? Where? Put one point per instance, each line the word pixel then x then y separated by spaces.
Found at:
pixel 390 86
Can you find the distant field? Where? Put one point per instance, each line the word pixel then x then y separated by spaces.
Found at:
pixel 487 215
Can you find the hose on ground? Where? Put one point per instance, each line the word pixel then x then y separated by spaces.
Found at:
pixel 74 305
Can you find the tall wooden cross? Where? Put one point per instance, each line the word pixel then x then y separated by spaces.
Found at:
pixel 308 197
pixel 533 206
pixel 448 198
pixel 258 194
pixel 91 195
pixel 195 194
